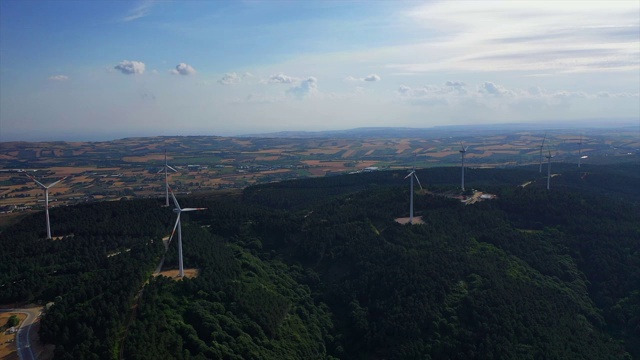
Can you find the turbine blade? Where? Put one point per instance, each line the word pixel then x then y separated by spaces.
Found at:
pixel 161 170
pixel 36 181
pixel 55 183
pixel 174 229
pixel 411 173
pixel 175 201
pixel 543 139
pixel 170 168
pixel 192 209
pixel 416 176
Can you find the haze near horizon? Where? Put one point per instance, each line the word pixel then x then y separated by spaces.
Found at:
pixel 106 69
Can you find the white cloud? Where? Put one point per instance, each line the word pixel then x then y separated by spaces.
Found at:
pixel 305 88
pixel 372 77
pixel 59 78
pixel 130 67
pixel 369 78
pixel 540 36
pixel 496 96
pixel 229 79
pixel 234 78
pixel 282 79
pixel 183 69
pixel 139 11
pixel 490 88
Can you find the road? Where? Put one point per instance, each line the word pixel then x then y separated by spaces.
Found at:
pixel 23 338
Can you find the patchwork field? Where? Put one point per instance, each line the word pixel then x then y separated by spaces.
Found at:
pixel 132 167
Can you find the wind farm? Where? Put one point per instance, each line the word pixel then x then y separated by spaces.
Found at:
pixel 245 249
pixel 243 180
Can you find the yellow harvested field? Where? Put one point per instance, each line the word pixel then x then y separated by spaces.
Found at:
pixel 442 154
pixel 329 151
pixel 173 274
pixel 405 220
pixel 317 172
pixel 267 158
pixel 8 350
pixel 143 159
pixel 348 153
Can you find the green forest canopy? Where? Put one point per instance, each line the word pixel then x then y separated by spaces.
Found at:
pixel 318 268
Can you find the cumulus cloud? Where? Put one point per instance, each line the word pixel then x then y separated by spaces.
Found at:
pixel 282 79
pixel 372 77
pixel 229 79
pixel 233 78
pixel 489 95
pixel 306 88
pixel 369 78
pixel 490 88
pixel 183 69
pixel 130 67
pixel 59 78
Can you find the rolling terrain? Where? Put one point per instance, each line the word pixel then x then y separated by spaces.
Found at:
pixel 128 168
pixel 318 268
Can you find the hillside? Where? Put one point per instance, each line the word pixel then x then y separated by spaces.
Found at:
pixel 318 268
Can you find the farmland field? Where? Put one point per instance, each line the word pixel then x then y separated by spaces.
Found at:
pixel 132 167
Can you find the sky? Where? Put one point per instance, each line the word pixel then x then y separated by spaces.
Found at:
pixel 100 70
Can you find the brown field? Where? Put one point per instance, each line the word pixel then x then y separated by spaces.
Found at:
pixel 8 350
pixel 405 220
pixel 173 274
pixel 348 153
pixel 267 158
pixel 328 151
pixel 442 154
pixel 317 172
pixel 142 159
pixel 245 160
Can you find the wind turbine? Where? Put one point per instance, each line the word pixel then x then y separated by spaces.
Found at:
pixel 166 169
pixel 549 168
pixel 46 199
pixel 412 175
pixel 542 146
pixel 463 150
pixel 178 210
pixel 579 151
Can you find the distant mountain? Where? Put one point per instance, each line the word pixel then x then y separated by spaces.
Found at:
pixel 449 130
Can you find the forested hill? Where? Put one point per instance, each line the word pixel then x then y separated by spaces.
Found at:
pixel 318 268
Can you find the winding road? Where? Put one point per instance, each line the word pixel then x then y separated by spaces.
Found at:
pixel 23 338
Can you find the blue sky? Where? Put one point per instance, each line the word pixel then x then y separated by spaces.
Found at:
pixel 86 70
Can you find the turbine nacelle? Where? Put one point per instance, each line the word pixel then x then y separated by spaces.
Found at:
pixel 415 176
pixel 463 149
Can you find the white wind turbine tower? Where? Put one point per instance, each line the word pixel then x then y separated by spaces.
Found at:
pixel 463 150
pixel 542 146
pixel 46 199
pixel 178 210
pixel 549 169
pixel 579 150
pixel 166 169
pixel 412 175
